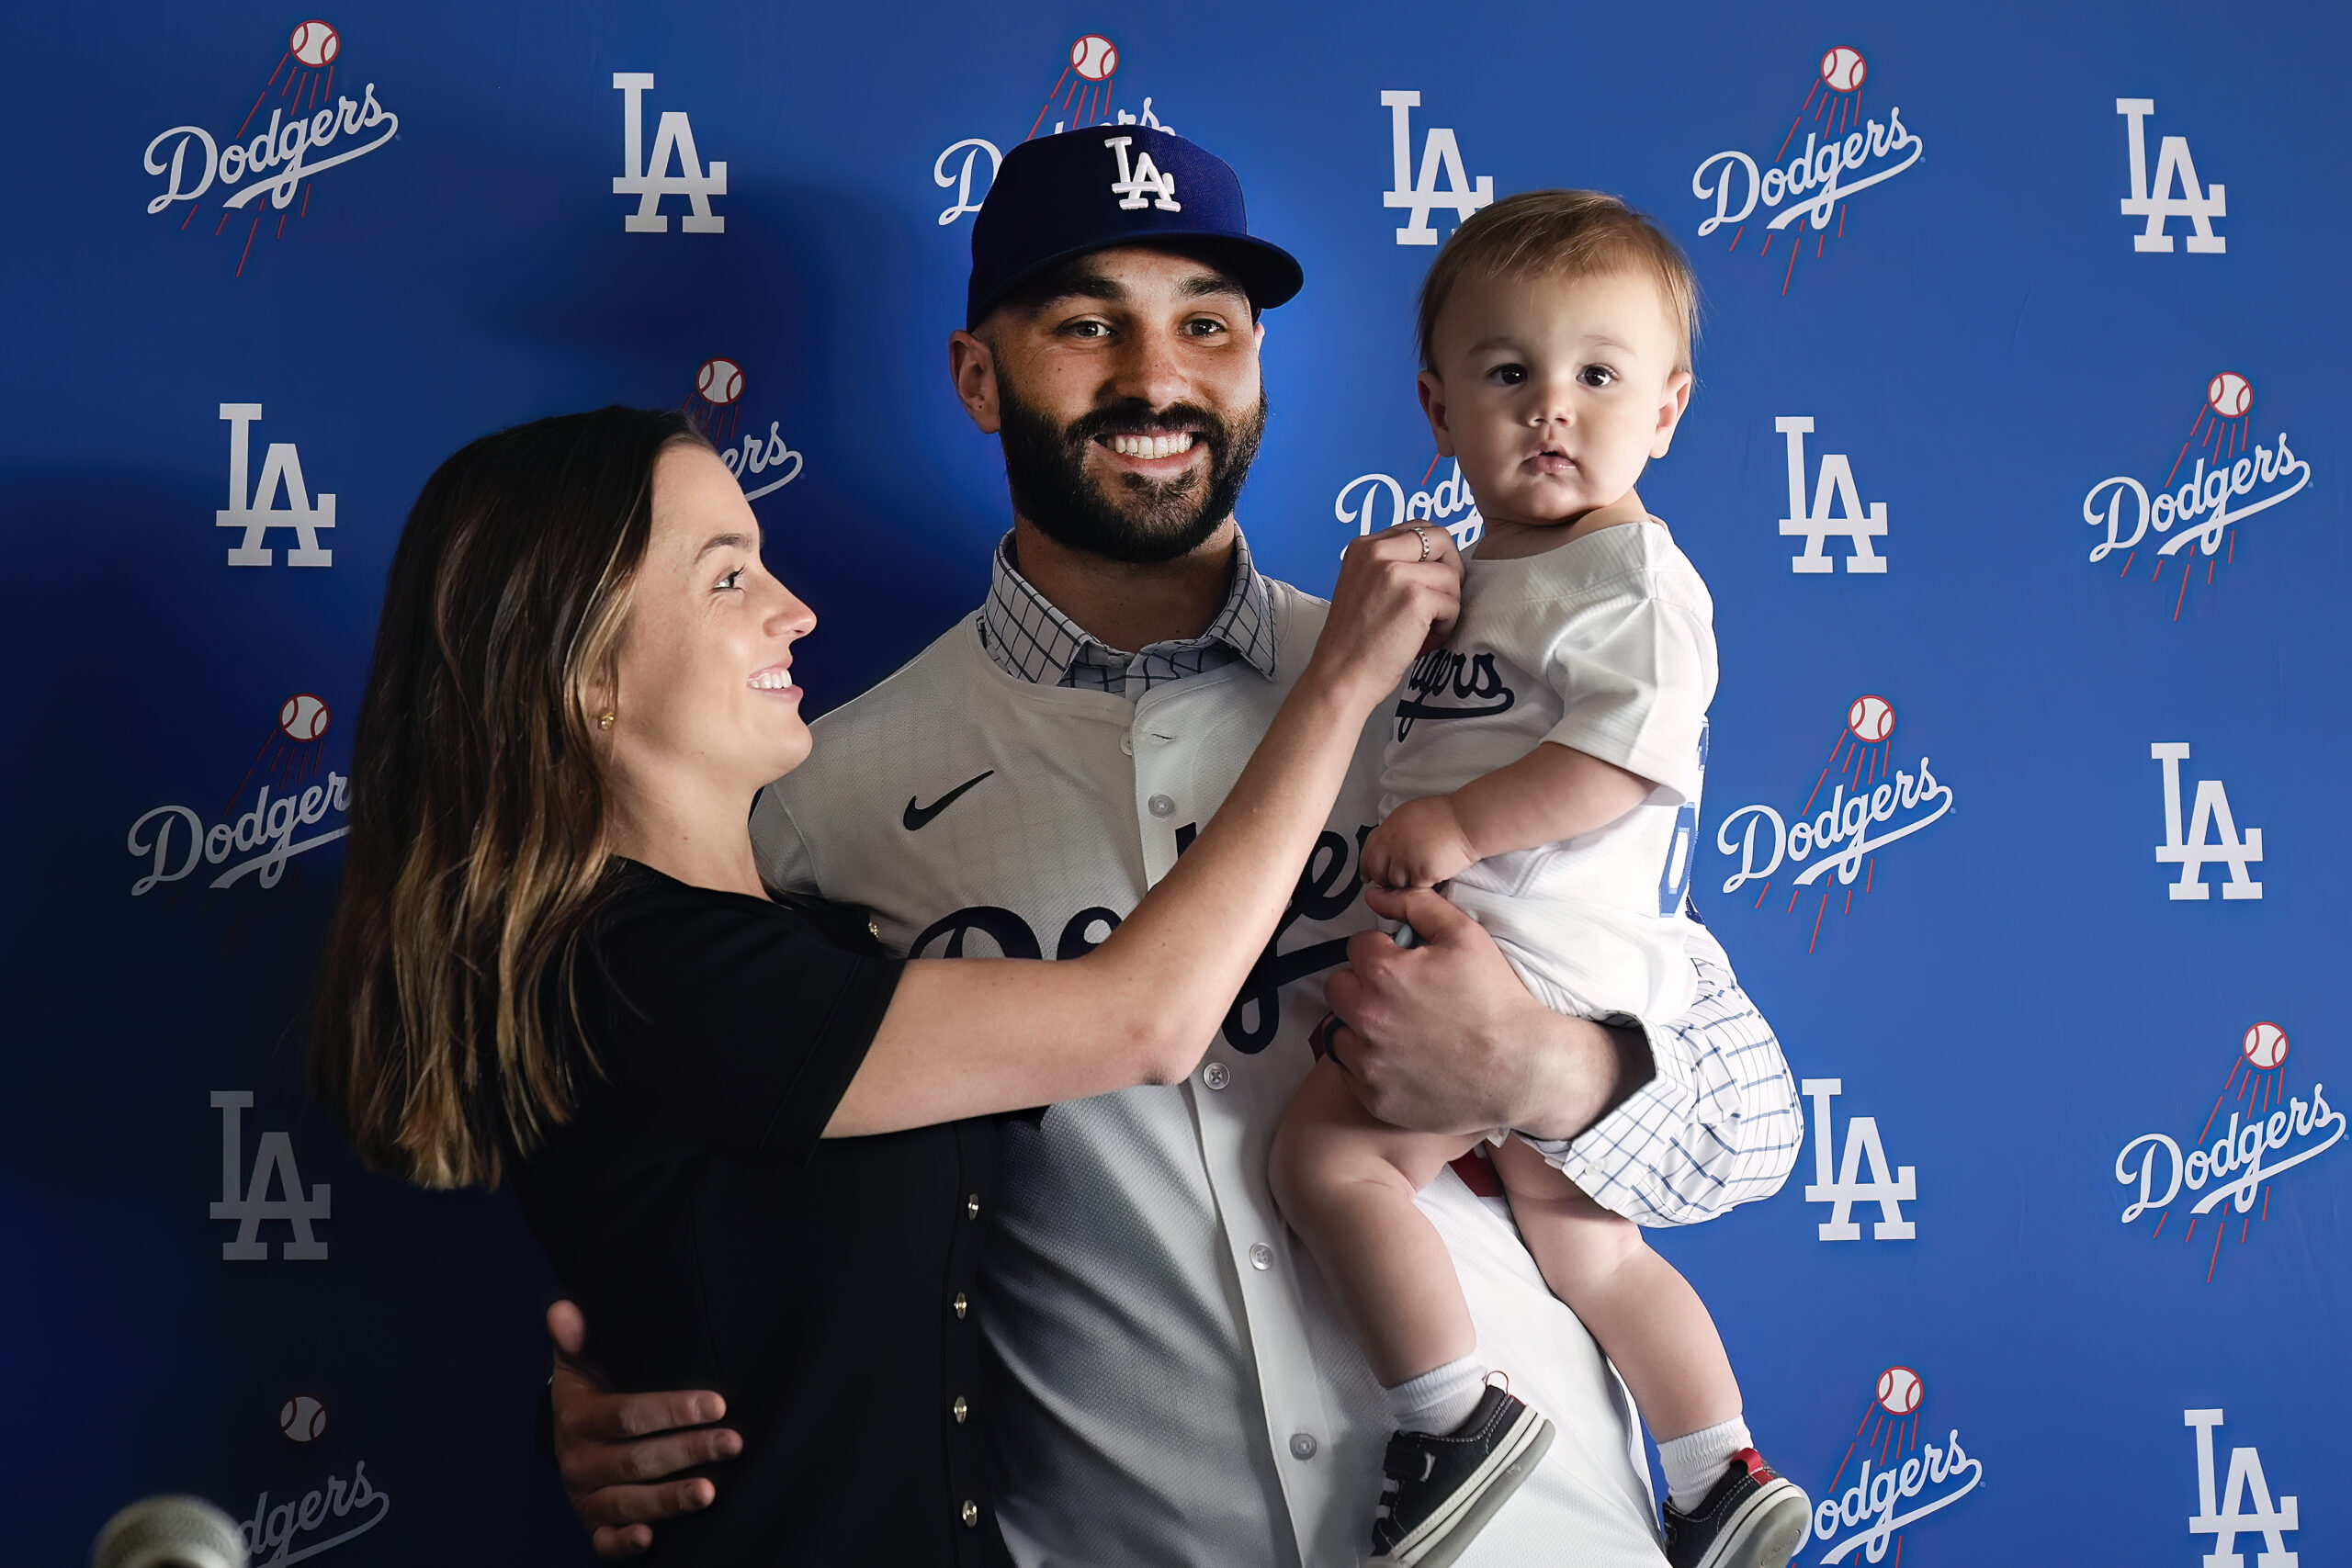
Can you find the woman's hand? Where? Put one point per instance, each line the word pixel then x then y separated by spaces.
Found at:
pixel 1398 594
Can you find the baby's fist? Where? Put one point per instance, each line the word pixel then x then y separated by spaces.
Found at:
pixel 1420 845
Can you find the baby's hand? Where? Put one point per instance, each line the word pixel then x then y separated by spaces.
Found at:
pixel 1420 845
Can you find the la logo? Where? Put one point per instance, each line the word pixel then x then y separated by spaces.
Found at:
pixel 674 141
pixel 1144 180
pixel 250 1205
pixel 1818 525
pixel 2213 833
pixel 2246 1483
pixel 1889 1191
pixel 1440 154
pixel 2175 170
pixel 256 510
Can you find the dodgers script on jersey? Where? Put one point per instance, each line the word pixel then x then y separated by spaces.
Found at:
pixel 1605 644
pixel 1181 1389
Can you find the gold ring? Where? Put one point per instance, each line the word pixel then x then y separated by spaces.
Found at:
pixel 1423 535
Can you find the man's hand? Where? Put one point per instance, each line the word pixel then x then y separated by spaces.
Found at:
pixel 614 1450
pixel 1420 845
pixel 1443 1038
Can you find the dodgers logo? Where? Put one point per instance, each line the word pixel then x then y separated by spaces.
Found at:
pixel 2176 193
pixel 294 1531
pixel 1856 523
pixel 1845 153
pixel 253 511
pixel 1080 96
pixel 2270 1131
pixel 763 463
pixel 1852 1184
pixel 1449 503
pixel 1885 804
pixel 250 1205
pixel 291 798
pixel 1440 159
pixel 2206 507
pixel 1902 1479
pixel 2210 838
pixel 649 180
pixel 2245 1484
pixel 310 130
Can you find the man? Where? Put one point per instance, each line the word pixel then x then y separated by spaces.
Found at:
pixel 1177 1387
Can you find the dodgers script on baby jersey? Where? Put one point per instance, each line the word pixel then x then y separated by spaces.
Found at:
pixel 1180 1388
pixel 1605 644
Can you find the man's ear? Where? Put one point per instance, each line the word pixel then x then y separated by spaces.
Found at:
pixel 1433 405
pixel 1670 410
pixel 971 365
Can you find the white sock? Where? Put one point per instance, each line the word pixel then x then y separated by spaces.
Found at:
pixel 1441 1401
pixel 1694 1461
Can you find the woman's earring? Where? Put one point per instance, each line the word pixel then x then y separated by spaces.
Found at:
pixel 605 719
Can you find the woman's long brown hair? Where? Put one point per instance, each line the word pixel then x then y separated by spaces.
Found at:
pixel 480 813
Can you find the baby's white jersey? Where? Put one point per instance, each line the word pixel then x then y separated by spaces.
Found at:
pixel 1605 644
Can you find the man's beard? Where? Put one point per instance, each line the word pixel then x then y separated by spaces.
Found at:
pixel 1141 520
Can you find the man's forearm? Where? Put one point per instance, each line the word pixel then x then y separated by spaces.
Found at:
pixel 1583 1071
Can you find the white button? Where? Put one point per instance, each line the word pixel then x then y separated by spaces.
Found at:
pixel 1261 1256
pixel 1128 744
pixel 1301 1445
pixel 1160 805
pixel 1216 1076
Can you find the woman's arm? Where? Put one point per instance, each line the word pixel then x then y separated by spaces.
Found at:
pixel 967 1037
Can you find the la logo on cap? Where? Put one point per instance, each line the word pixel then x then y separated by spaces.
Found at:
pixel 1146 179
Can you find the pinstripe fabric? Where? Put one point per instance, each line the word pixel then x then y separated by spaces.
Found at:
pixel 1030 639
pixel 1719 1125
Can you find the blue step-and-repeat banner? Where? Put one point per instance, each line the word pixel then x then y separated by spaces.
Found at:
pixel 2017 467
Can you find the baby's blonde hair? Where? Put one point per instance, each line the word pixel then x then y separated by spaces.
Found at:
pixel 1554 233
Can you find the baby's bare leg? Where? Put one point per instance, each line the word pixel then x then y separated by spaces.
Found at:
pixel 1644 1314
pixel 1345 1181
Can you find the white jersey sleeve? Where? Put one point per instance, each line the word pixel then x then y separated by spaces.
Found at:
pixel 1634 660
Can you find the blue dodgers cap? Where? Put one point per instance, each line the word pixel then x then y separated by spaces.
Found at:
pixel 1059 197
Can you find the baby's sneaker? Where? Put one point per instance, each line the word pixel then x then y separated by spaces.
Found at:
pixel 1441 1491
pixel 1754 1518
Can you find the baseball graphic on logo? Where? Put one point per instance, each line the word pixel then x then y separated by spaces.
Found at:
pixel 1871 719
pixel 1094 57
pixel 2228 394
pixel 304 717
pixel 720 380
pixel 1843 69
pixel 1898 1390
pixel 315 43
pixel 2265 1046
pixel 303 1418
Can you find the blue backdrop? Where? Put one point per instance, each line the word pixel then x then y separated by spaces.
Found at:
pixel 2045 272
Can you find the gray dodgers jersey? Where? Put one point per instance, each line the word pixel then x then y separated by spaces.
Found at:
pixel 1182 1388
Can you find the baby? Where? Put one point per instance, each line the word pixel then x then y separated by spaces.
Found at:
pixel 1545 764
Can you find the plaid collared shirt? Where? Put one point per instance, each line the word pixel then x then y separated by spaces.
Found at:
pixel 1031 640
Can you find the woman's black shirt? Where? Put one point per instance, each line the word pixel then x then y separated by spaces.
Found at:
pixel 826 1288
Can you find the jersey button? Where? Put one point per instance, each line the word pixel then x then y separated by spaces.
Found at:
pixel 961 1305
pixel 1260 1256
pixel 1160 805
pixel 971 1513
pixel 961 1410
pixel 1215 1075
pixel 1301 1445
pixel 972 1207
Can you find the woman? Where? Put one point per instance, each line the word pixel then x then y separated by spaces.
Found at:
pixel 757 1149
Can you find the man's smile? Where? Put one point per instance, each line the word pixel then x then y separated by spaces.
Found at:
pixel 1158 453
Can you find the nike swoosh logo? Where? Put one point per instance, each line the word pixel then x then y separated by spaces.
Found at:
pixel 919 817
